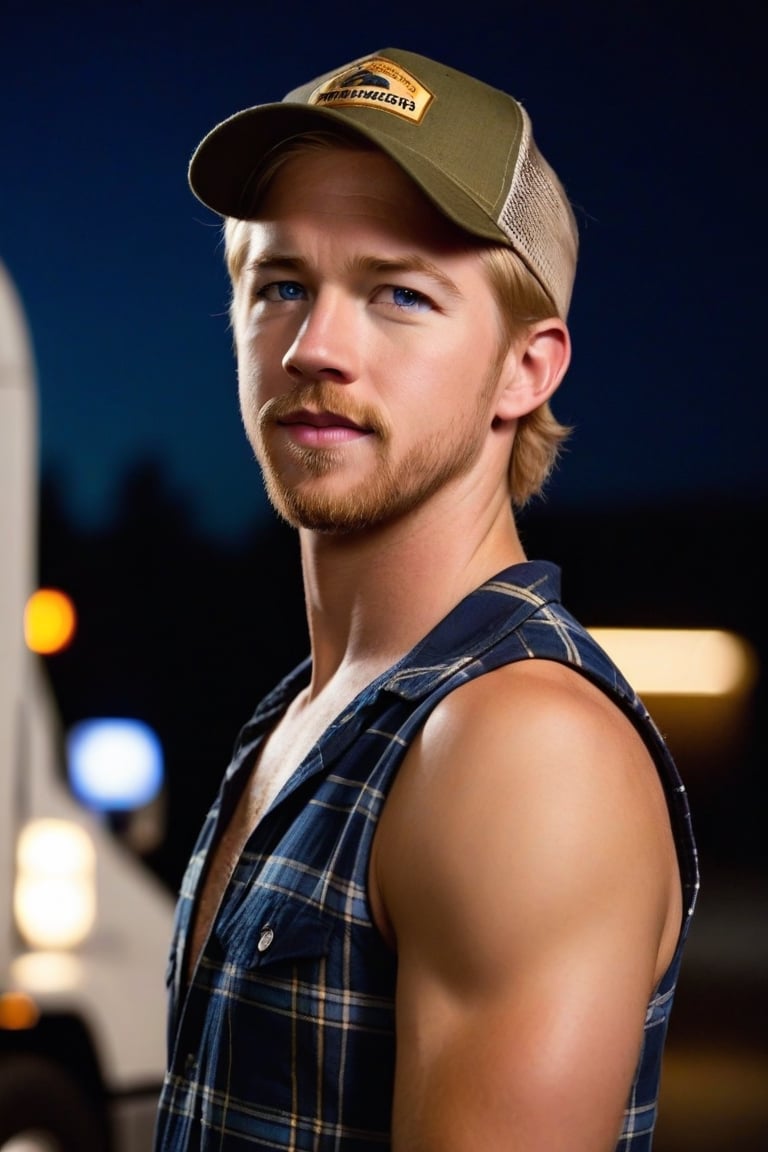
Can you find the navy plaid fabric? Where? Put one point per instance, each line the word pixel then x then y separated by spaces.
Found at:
pixel 285 1039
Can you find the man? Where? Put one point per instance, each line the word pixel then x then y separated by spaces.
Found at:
pixel 440 902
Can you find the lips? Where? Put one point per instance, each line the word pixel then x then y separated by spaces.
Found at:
pixel 320 420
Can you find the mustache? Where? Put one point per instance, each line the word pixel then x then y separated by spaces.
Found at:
pixel 321 396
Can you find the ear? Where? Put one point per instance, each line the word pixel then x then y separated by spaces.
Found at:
pixel 533 368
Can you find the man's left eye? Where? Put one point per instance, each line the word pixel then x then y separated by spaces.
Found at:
pixel 408 298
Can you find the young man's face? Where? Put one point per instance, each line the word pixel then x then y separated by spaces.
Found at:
pixel 368 344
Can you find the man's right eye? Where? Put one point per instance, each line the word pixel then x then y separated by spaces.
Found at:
pixel 283 290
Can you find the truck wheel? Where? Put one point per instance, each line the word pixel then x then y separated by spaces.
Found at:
pixel 43 1109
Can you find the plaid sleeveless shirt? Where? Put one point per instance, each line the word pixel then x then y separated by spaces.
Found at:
pixel 285 1038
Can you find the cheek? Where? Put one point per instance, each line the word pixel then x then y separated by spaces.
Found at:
pixel 260 351
pixel 249 389
pixel 448 375
pixel 253 370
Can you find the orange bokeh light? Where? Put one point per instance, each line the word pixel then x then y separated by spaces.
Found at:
pixel 49 621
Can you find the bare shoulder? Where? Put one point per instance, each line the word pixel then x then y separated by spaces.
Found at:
pixel 529 734
pixel 533 774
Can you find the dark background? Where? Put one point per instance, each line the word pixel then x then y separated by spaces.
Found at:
pixel 152 512
pixel 653 114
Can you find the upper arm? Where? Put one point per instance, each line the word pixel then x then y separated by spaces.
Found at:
pixel 525 864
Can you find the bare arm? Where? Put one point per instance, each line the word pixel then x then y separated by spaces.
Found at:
pixel 526 870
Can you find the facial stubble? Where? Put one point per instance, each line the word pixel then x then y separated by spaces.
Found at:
pixel 394 489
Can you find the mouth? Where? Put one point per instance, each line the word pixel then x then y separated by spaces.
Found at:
pixel 325 419
pixel 325 429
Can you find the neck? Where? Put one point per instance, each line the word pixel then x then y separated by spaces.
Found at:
pixel 370 596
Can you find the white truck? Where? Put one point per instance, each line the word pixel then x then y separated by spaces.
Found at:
pixel 82 1016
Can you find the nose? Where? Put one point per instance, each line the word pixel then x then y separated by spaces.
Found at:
pixel 326 344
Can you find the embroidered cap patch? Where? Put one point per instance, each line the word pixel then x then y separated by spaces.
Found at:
pixel 375 83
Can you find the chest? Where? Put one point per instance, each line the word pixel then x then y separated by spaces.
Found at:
pixel 279 757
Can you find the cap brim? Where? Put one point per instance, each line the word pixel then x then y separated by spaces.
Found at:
pixel 224 164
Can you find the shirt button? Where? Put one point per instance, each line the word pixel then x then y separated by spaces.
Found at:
pixel 265 939
pixel 190 1062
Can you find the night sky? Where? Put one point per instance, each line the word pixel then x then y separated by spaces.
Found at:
pixel 653 115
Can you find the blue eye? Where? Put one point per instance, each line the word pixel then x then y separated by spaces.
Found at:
pixel 408 299
pixel 282 290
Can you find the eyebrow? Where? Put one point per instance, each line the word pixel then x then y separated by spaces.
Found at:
pixel 270 261
pixel 412 263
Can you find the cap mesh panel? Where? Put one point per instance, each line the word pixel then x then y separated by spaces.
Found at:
pixel 539 222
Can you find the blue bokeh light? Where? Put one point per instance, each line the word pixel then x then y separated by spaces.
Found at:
pixel 114 764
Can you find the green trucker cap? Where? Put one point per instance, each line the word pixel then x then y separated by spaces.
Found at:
pixel 467 145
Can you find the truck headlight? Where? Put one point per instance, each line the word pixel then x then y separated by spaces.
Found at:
pixel 55 892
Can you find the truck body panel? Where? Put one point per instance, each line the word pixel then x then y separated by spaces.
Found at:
pixel 109 989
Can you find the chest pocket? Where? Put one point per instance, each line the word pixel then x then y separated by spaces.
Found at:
pixel 284 933
pixel 267 935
